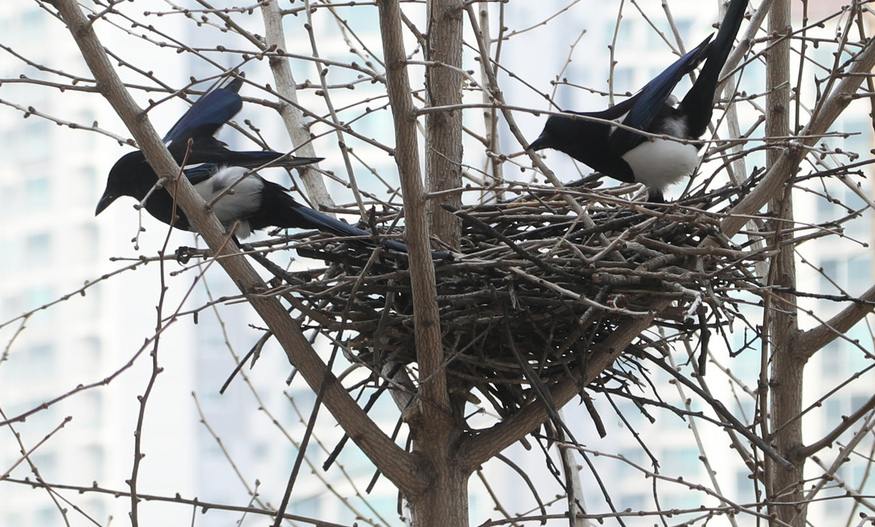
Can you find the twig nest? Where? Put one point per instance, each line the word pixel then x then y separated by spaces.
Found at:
pixel 534 289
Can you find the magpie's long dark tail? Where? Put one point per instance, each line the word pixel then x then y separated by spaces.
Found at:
pixel 698 104
pixel 257 158
pixel 307 218
pixel 281 210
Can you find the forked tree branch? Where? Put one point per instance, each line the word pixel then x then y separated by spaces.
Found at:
pixel 393 461
pixel 814 339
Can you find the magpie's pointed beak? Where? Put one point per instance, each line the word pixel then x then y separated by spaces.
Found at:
pixel 104 202
pixel 542 142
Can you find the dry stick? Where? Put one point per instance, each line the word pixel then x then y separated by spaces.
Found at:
pixel 262 407
pixel 253 492
pixel 286 89
pixel 177 499
pixel 25 454
pixel 694 428
pixel 839 460
pixel 573 487
pixel 498 506
pixel 30 110
pixel 53 494
pixel 498 98
pixel 490 116
pixel 153 376
pixel 721 410
pixel 738 168
pixel 612 47
pixel 397 464
pixel 302 449
pixel 856 493
pixel 336 123
pixel 847 422
pixel 340 466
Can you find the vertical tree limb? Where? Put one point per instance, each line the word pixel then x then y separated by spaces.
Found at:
pixel 443 137
pixel 433 425
pixel 787 364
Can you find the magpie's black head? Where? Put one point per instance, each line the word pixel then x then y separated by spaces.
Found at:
pixel 556 133
pixel 128 177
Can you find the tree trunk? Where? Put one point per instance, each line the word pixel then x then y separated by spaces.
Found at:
pixel 443 143
pixel 445 502
pixel 787 360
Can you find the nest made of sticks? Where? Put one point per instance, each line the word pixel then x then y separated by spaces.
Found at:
pixel 534 288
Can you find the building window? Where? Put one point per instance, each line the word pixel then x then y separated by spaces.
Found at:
pixel 38 250
pixel 36 192
pixel 38 296
pixel 681 461
pixel 42 359
pixel 94 456
pixel 89 409
pixel 89 348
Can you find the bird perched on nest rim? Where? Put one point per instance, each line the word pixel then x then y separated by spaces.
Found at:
pixel 223 175
pixel 628 156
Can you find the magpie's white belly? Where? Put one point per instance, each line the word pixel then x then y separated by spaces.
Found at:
pixel 236 204
pixel 660 162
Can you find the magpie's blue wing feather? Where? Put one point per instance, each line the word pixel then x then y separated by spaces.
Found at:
pixel 200 173
pixel 208 113
pixel 651 100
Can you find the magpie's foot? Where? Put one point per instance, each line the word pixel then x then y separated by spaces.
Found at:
pixel 183 254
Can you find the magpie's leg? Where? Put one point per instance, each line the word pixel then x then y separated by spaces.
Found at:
pixel 654 195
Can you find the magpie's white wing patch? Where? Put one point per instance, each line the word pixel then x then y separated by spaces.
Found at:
pixel 236 204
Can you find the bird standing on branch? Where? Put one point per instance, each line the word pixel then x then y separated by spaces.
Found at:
pixel 224 178
pixel 624 154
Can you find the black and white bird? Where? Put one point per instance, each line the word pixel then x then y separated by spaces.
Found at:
pixel 628 156
pixel 222 176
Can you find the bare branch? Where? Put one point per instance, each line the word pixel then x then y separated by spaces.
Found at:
pixel 835 433
pixel 814 339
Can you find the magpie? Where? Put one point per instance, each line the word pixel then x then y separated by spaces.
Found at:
pixel 628 156
pixel 222 177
